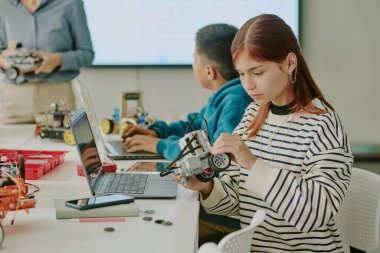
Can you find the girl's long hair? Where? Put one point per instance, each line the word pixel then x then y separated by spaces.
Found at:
pixel 268 38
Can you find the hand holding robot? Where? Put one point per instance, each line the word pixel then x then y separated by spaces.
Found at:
pixel 17 61
pixel 195 159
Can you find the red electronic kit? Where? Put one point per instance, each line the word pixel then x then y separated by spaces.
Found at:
pixel 14 194
pixel 16 166
pixel 37 162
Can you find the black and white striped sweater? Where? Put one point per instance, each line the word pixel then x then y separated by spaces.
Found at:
pixel 300 179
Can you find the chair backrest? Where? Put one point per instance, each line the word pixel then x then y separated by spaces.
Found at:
pixel 358 216
pixel 236 242
pixel 209 247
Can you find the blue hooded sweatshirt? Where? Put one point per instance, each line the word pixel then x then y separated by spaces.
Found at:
pixel 223 112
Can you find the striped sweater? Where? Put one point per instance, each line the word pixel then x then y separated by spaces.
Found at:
pixel 300 179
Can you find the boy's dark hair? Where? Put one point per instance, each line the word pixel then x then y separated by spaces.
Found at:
pixel 214 41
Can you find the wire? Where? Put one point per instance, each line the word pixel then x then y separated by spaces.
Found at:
pixel 36 189
pixel 19 193
pixel 190 151
pixel 164 171
pixel 191 122
pixel 169 169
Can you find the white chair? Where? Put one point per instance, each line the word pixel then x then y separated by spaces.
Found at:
pixel 236 242
pixel 358 217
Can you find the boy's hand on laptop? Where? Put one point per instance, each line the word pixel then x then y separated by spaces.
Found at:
pixel 142 143
pixel 133 130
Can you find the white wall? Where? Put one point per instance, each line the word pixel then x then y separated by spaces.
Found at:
pixel 168 94
pixel 340 41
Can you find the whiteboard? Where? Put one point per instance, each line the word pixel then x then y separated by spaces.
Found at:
pixel 162 32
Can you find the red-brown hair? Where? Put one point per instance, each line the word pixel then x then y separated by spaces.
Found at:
pixel 268 38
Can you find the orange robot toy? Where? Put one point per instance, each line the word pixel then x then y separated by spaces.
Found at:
pixel 13 190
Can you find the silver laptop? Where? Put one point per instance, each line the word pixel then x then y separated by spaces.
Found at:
pixel 138 185
pixel 114 148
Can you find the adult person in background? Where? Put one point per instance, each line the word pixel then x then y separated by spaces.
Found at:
pixel 292 153
pixel 214 70
pixel 57 32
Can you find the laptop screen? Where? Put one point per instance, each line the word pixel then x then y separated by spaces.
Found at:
pixel 86 102
pixel 86 145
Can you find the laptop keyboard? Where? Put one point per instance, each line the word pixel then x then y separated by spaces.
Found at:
pixel 119 149
pixel 126 183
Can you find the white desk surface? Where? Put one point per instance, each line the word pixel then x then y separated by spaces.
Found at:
pixel 40 232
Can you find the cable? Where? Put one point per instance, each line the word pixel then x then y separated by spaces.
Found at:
pixel 191 122
pixel 190 151
pixel 36 189
pixel 169 169
pixel 19 194
pixel 164 171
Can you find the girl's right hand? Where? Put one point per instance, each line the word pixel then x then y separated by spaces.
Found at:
pixel 195 185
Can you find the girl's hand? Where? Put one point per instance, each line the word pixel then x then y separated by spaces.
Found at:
pixel 195 185
pixel 236 147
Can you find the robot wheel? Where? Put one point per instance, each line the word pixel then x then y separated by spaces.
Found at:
pixel 68 137
pixel 219 162
pixel 206 176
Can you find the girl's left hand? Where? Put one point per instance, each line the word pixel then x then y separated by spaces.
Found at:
pixel 236 147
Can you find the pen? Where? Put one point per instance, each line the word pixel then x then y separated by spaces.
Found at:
pixel 112 219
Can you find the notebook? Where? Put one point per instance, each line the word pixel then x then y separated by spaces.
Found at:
pixel 114 148
pixel 138 185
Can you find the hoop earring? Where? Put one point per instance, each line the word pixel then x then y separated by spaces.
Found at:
pixel 293 80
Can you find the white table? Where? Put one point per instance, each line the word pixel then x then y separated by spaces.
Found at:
pixel 40 232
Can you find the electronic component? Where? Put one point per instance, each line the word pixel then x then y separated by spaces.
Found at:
pixel 20 60
pixel 54 124
pixel 196 160
pixel 116 124
pixel 131 113
pixel 13 190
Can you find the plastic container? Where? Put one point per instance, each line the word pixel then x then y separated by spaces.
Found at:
pixel 37 162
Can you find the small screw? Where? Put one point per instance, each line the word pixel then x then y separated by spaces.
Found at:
pixel 109 229
pixel 167 223
pixel 159 221
pixel 149 211
pixel 147 218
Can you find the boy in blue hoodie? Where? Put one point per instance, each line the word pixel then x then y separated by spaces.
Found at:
pixel 214 70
